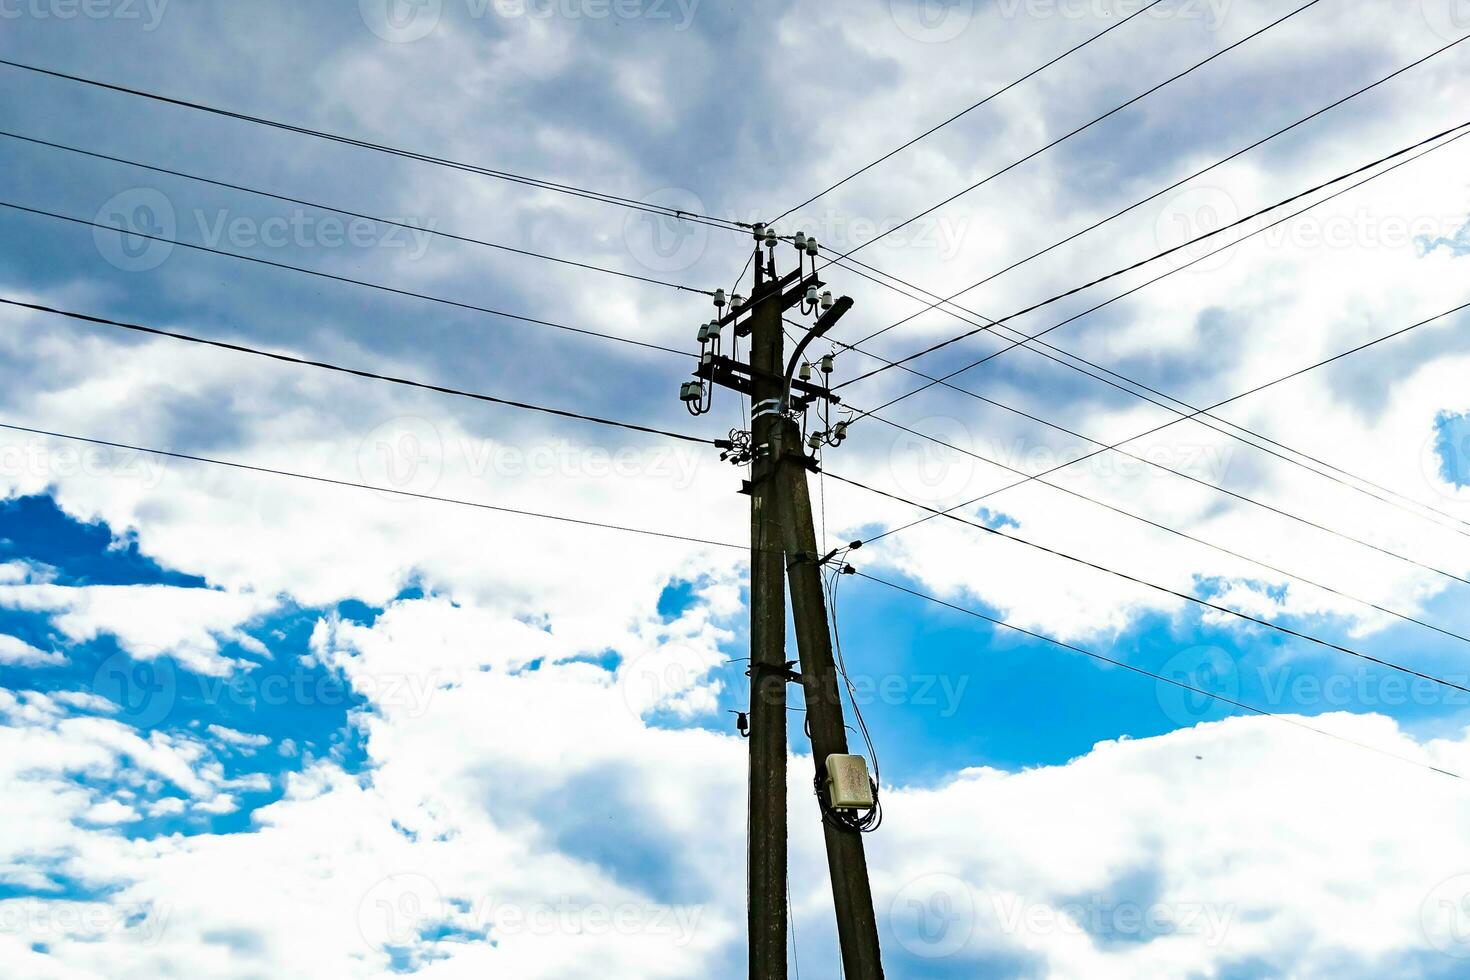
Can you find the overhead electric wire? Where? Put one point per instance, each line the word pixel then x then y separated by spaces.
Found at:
pixel 1164 190
pixel 1042 347
pixel 1117 446
pixel 355 372
pixel 1146 261
pixel 998 92
pixel 1175 682
pixel 537 182
pixel 417 229
pixel 350 281
pixel 271 471
pixel 1166 590
pixel 1233 398
pixel 1085 126
pixel 1162 527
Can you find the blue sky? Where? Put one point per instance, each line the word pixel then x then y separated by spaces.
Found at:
pixel 255 726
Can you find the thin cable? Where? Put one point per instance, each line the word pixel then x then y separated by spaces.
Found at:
pixel 1187 597
pixel 1085 126
pixel 1196 414
pixel 247 467
pixel 350 281
pixel 1043 348
pixel 1154 258
pixel 1162 527
pixel 1164 190
pixel 537 182
pixel 1157 677
pixel 998 92
pixel 424 229
pixel 356 372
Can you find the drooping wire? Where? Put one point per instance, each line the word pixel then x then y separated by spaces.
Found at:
pixel 356 372
pixel 471 307
pixel 569 189
pixel 1050 351
pixel 1357 171
pixel 968 109
pixel 1111 112
pixel 1164 190
pixel 1174 682
pixel 1164 589
pixel 407 494
pixel 416 229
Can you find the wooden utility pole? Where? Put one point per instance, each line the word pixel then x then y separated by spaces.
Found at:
pixel 767 803
pixel 857 928
pixel 784 548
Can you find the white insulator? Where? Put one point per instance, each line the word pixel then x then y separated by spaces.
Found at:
pixel 811 294
pixel 714 329
pixel 811 245
pixel 758 230
pixel 720 298
pixel 736 300
pixel 771 238
pixel 827 362
pixel 703 332
pixel 827 299
pixel 839 431
pixel 806 372
pixel 814 440
pixel 689 391
pixel 800 240
pixel 707 358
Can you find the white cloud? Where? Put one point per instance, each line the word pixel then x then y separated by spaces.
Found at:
pixel 17 652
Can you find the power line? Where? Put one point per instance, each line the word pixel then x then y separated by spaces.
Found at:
pixel 347 279
pixel 1111 112
pixel 998 92
pixel 1187 597
pixel 376 489
pixel 1157 677
pixel 355 214
pixel 1043 348
pixel 1162 527
pixel 1164 190
pixel 356 372
pixel 1116 447
pixel 1150 259
pixel 570 189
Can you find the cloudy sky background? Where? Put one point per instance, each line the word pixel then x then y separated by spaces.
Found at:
pixel 259 727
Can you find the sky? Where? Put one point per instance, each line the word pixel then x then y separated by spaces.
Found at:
pixel 257 726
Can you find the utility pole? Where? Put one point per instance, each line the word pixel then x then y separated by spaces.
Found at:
pixel 767 802
pixel 784 548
